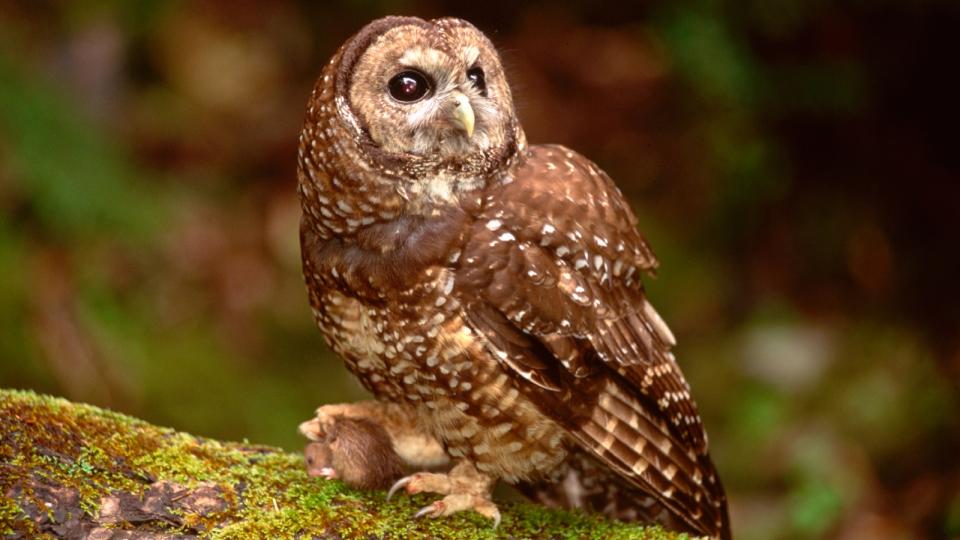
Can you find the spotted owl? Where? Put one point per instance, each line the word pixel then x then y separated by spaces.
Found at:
pixel 491 289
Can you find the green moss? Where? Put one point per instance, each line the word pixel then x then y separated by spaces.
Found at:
pixel 50 443
pixel 9 511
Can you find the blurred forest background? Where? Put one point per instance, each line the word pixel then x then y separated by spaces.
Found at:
pixel 793 163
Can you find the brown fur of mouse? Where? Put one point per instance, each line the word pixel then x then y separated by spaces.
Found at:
pixel 360 453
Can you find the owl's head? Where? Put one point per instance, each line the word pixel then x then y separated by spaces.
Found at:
pixel 429 88
pixel 426 91
pixel 408 118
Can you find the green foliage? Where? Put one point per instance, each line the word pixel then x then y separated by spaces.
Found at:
pixel 79 184
pixel 708 53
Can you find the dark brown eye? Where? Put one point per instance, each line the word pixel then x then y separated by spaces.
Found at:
pixel 476 77
pixel 408 86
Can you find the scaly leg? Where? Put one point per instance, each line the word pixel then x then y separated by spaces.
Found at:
pixel 415 446
pixel 465 488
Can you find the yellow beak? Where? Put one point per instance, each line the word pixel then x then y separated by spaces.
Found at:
pixel 462 115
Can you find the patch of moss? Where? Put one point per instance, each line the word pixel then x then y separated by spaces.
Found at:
pixel 79 454
pixel 9 511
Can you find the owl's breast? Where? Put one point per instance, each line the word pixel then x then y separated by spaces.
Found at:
pixel 394 345
pixel 427 356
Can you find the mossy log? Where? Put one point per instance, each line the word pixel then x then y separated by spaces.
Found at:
pixel 76 471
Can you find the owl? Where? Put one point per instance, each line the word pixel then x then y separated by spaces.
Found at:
pixel 488 292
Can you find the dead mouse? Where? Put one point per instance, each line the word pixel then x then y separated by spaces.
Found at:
pixel 357 451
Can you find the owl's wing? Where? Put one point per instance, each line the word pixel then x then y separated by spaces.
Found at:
pixel 550 278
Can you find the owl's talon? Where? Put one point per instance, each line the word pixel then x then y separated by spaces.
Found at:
pixel 487 509
pixel 422 482
pixel 433 510
pixel 465 489
pixel 458 502
pixel 312 429
pixel 399 484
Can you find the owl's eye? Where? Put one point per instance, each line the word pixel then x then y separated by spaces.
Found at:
pixel 476 77
pixel 408 86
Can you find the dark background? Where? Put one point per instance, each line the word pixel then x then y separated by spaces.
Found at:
pixel 793 163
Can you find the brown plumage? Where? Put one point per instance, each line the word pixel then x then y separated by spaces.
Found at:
pixel 491 287
pixel 357 451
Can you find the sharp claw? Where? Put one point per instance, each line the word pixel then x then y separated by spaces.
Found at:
pixel 310 429
pixel 425 511
pixel 452 503
pixel 399 484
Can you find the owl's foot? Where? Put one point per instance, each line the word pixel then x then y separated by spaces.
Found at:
pixel 316 428
pixel 465 489
pixel 458 502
